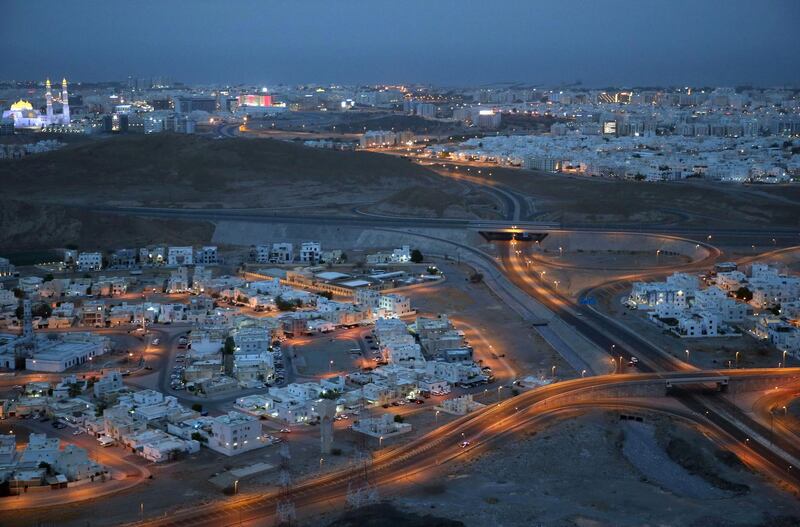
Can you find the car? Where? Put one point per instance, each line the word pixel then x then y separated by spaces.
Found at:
pixel 44 419
pixel 285 430
pixel 419 401
pixel 77 433
pixel 633 361
pixel 464 444
pixel 155 342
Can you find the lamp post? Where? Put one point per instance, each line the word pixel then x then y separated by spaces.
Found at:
pixel 687 356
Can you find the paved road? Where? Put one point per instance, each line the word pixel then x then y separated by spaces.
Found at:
pixel 126 470
pixel 409 463
pixel 621 344
pixel 764 236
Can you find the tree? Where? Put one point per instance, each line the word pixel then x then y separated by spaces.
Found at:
pixel 197 407
pixel 476 278
pixel 37 310
pixel 197 436
pixel 416 256
pixel 398 418
pixel 744 294
pixel 229 347
pixel 330 394
pixel 287 305
pixel 49 277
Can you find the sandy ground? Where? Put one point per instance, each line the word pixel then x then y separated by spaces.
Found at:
pixel 579 473
pixel 491 328
pixel 609 260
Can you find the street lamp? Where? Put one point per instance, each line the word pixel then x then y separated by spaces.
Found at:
pixel 553 370
pixel 436 417
pixel 687 355
pixel 737 358
pixel 583 373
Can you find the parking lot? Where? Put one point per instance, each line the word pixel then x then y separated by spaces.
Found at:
pixel 328 353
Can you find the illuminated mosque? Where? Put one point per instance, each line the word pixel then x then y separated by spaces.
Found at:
pixel 25 116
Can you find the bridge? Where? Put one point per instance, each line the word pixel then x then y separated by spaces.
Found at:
pixel 720 382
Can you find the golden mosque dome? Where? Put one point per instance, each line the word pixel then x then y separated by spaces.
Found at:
pixel 21 105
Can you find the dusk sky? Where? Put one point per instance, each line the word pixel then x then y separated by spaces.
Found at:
pixel 609 42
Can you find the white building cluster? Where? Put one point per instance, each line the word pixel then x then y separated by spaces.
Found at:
pixel 44 461
pixel 766 303
pixel 721 135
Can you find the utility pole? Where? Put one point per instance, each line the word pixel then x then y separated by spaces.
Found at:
pixel 285 514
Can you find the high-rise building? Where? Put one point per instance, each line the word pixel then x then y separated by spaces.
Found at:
pixel 204 103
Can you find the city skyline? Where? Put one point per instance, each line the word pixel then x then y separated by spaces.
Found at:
pixel 446 43
pixel 306 263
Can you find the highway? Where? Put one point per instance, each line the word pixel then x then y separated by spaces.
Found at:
pixel 764 237
pixel 407 462
pixel 621 344
pixel 415 461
